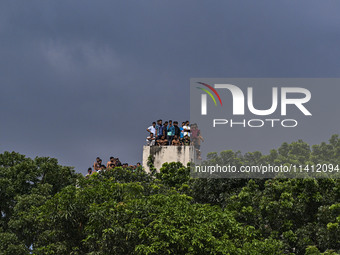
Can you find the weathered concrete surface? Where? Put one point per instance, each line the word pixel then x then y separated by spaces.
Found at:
pixel 162 154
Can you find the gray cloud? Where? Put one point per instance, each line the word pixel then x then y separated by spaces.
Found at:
pixel 85 78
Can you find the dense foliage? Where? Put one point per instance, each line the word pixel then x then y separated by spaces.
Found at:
pixel 49 209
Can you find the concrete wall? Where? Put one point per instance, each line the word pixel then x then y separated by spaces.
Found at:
pixel 162 154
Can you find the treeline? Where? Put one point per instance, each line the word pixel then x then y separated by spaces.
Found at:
pixel 49 209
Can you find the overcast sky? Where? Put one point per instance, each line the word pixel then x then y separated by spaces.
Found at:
pixel 81 79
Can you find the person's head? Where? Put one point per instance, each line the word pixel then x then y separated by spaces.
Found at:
pixel 153 124
pixel 175 123
pixel 187 123
pixel 170 122
pixel 159 122
pixel 183 124
pixel 112 159
pixel 112 165
pixel 102 167
pixel 151 135
pixel 100 161
pixel 163 137
pixel 138 164
pixel 165 123
pixel 97 159
pixel 89 170
pixel 175 137
pixel 186 137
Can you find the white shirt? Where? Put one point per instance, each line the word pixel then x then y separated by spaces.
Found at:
pixel 149 138
pixel 184 132
pixel 152 130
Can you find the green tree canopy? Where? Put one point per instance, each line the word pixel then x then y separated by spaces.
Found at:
pixel 47 208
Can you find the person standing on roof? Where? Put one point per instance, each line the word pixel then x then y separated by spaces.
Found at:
pixel 170 132
pixel 152 129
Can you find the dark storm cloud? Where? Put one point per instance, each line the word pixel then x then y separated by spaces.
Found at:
pixel 85 78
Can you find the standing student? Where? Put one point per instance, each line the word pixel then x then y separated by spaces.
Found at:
pixel 152 129
pixel 177 129
pixel 165 130
pixel 171 132
pixel 186 129
pixel 181 137
pixel 159 129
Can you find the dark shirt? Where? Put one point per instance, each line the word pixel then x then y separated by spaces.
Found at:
pixel 177 131
pixel 160 131
pixel 165 128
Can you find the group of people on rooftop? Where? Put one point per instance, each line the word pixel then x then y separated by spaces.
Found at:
pixel 160 134
pixel 112 163
pixel 170 133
